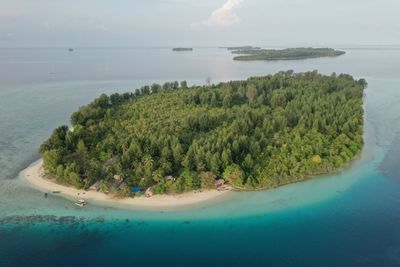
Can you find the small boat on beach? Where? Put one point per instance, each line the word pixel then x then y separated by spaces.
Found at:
pixel 56 192
pixel 80 203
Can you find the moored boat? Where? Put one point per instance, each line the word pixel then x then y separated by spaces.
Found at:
pixel 80 203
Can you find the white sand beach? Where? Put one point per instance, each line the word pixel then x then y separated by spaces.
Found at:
pixel 34 176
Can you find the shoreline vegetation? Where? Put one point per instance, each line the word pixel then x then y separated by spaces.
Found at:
pixel 172 139
pixel 252 54
pixel 182 49
pixel 35 176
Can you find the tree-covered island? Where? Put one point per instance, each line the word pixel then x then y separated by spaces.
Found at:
pixel 285 54
pixel 259 133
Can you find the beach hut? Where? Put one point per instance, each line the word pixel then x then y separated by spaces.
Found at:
pixel 95 186
pixel 170 178
pixel 135 190
pixel 122 186
pixel 149 192
pixel 219 183
pixel 118 178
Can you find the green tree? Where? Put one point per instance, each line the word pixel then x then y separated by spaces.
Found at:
pixel 251 92
pixel 227 101
pixel 207 180
pixel 51 160
pixel 215 163
pixel 226 157
pixel 234 175
pixel 75 180
pixel 184 84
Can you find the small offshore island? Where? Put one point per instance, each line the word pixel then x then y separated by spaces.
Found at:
pixel 182 49
pixel 284 54
pixel 260 133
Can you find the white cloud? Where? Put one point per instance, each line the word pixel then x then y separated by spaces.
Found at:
pixel 222 17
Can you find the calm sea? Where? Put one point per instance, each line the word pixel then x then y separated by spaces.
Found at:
pixel 348 219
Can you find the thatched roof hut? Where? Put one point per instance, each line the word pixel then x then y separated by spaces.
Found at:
pixel 219 183
pixel 95 186
pixel 170 178
pixel 122 186
pixel 149 192
pixel 118 177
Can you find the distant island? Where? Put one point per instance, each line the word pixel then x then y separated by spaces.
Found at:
pixel 285 54
pixel 246 47
pixel 259 133
pixel 181 49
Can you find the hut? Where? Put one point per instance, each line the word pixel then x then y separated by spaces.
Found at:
pixel 170 178
pixel 118 178
pixel 122 186
pixel 95 186
pixel 218 183
pixel 149 192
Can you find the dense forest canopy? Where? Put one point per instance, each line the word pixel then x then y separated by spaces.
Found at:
pixel 285 54
pixel 259 133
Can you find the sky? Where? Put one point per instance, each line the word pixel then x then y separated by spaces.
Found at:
pixel 137 23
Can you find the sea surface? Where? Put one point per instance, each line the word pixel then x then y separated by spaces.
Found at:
pixel 351 218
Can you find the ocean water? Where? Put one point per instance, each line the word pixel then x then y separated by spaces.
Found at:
pixel 350 218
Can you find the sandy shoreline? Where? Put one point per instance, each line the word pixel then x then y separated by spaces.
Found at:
pixel 33 176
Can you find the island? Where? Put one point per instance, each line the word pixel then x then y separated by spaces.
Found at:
pixel 246 47
pixel 285 54
pixel 182 49
pixel 169 139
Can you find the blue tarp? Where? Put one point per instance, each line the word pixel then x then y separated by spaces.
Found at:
pixel 135 190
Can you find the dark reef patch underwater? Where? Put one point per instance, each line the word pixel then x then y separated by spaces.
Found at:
pixel 317 235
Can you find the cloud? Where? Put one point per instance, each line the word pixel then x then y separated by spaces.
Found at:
pixel 222 17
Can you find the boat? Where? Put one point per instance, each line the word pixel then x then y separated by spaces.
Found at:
pixel 80 203
pixel 71 50
pixel 56 192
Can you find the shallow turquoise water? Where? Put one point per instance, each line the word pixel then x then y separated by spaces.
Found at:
pixel 347 219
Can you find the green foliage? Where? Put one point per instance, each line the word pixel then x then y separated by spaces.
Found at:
pixel 123 193
pixel 51 160
pixel 207 180
pixel 259 133
pixel 75 180
pixel 188 180
pixel 234 175
pixel 104 186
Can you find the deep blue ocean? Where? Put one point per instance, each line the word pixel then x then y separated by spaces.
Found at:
pixel 351 218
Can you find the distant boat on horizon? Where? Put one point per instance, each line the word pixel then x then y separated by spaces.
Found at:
pixel 70 49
